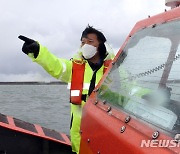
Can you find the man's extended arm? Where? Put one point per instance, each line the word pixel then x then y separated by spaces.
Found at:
pixel 59 68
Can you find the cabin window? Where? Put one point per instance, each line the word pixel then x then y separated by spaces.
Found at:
pixel 145 80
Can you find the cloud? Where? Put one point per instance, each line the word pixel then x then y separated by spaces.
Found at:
pixel 58 24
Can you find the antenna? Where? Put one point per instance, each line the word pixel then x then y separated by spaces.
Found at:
pixel 172 3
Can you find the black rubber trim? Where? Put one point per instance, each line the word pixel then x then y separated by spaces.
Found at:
pixel 25 125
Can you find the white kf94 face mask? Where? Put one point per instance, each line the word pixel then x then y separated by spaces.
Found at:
pixel 88 51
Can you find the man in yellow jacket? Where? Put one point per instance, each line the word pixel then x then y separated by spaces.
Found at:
pixel 82 72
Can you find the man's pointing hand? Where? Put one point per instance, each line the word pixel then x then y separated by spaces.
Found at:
pixel 29 46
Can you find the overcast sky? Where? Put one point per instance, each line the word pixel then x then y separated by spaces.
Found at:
pixel 58 24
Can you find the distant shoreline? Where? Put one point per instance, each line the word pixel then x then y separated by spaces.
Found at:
pixel 33 83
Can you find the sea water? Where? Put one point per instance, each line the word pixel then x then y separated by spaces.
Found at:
pixel 46 105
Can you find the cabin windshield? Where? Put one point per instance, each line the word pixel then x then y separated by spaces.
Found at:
pixel 145 80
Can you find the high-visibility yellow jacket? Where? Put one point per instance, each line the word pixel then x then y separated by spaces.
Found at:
pixel 62 69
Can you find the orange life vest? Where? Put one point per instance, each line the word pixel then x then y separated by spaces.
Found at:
pixel 78 69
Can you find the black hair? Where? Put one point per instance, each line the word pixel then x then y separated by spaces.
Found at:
pixel 101 38
pixel 90 30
